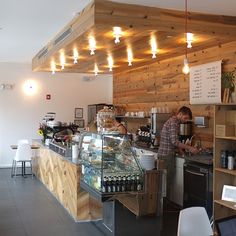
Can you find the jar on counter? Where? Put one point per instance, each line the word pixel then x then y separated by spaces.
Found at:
pixel 105 119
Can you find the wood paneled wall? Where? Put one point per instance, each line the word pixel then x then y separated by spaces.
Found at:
pixel 163 84
pixel 62 178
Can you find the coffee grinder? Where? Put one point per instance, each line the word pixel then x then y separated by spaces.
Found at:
pixel 185 131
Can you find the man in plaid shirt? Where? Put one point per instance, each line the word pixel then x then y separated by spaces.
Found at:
pixel 170 141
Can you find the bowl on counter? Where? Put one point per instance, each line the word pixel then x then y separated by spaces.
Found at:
pixel 147 161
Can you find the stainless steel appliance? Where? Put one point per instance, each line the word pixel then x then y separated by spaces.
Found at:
pixel 157 122
pixel 198 177
pixel 185 131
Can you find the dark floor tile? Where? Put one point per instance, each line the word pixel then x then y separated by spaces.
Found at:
pixel 7 211
pixel 10 222
pixel 27 208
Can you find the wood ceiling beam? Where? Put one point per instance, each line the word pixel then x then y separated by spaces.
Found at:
pixel 138 22
pixel 142 17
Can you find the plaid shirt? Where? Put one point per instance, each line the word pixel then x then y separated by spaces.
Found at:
pixel 169 136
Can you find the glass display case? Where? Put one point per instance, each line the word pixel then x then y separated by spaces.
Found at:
pixel 108 165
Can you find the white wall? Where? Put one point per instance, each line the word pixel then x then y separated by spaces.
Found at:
pixel 20 114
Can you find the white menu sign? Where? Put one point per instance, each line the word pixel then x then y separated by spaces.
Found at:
pixel 205 83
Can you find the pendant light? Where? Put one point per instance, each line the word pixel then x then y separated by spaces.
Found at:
pixel 62 60
pixel 110 62
pixel 96 69
pixel 117 32
pixel 153 43
pixel 129 56
pixel 92 45
pixel 75 55
pixel 53 67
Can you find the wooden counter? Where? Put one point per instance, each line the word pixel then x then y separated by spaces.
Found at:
pixel 62 178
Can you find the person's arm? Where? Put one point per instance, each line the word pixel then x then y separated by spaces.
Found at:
pixel 175 140
pixel 188 147
pixel 121 129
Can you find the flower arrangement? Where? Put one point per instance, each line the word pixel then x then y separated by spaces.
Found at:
pixel 43 131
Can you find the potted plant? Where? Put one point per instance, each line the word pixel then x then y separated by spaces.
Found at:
pixel 228 84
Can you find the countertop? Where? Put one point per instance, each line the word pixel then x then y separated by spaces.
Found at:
pixel 70 159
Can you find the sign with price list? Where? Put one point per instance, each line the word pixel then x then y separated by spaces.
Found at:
pixel 205 83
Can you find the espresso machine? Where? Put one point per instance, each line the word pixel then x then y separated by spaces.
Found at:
pixel 158 119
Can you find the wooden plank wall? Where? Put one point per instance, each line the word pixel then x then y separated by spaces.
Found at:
pixel 162 84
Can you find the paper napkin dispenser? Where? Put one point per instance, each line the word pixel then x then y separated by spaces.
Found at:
pixel 201 121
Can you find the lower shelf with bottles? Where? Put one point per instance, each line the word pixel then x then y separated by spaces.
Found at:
pixel 103 187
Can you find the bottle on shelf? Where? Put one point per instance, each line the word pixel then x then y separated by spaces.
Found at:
pixel 109 185
pixel 224 159
pixel 139 183
pixel 118 184
pixel 114 185
pixel 123 185
pixel 133 183
pixel 104 184
pixel 128 183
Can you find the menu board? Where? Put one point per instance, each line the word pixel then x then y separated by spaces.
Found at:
pixel 205 83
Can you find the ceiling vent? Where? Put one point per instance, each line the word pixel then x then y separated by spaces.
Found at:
pixel 62 36
pixel 42 52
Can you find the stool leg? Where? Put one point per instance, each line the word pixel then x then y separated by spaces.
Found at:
pixel 15 168
pixel 31 169
pixel 12 168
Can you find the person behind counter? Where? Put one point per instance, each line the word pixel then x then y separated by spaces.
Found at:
pixel 118 126
pixel 169 141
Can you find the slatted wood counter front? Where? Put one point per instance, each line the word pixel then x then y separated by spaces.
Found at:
pixel 62 178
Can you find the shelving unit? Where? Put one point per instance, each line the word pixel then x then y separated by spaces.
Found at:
pixel 223 176
pixel 133 117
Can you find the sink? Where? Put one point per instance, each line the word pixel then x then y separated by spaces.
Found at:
pixel 202 157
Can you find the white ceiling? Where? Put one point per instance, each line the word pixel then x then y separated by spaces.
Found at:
pixel 27 25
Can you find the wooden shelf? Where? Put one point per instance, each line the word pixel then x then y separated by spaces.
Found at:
pixel 225 104
pixel 226 138
pixel 223 170
pixel 223 176
pixel 133 117
pixel 231 205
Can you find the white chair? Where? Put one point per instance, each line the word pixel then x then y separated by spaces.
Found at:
pixel 23 155
pixel 194 221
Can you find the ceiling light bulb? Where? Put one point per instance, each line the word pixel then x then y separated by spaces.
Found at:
pixel 153 46
pixel 117 33
pixel 110 62
pixel 92 45
pixel 53 67
pixel 189 40
pixel 185 68
pixel 62 61
pixel 130 56
pixel 95 69
pixel 76 55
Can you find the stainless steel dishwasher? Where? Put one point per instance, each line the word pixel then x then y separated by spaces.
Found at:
pixel 198 186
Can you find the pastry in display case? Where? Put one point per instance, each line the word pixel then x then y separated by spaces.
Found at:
pixel 108 164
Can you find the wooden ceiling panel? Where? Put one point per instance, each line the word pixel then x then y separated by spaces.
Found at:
pixel 138 24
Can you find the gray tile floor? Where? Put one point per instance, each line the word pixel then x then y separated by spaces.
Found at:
pixel 27 208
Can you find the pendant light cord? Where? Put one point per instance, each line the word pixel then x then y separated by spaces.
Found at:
pixel 186 29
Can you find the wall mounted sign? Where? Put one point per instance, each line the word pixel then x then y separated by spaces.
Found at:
pixel 205 83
